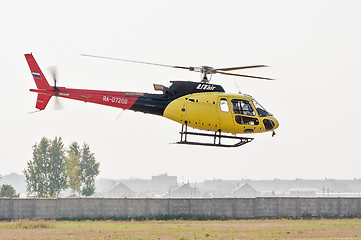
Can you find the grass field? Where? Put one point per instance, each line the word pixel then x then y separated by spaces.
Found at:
pixel 178 229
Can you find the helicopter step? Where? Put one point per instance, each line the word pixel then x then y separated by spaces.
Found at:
pixel 216 136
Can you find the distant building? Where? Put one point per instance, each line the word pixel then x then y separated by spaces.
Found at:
pixel 119 190
pixel 183 191
pixel 217 188
pixel 154 187
pixel 17 181
pixel 162 182
pixel 303 192
pixel 245 191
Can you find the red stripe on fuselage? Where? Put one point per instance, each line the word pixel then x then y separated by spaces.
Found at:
pixel 123 100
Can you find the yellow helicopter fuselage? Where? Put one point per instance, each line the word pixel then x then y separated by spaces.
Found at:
pixel 214 111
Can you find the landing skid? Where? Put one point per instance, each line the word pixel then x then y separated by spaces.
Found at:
pixel 216 139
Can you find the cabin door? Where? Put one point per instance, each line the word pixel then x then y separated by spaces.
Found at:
pixel 225 114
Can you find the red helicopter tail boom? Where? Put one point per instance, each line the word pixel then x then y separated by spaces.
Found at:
pixel 124 100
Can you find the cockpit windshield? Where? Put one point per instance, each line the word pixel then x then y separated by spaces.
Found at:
pixel 261 110
pixel 242 107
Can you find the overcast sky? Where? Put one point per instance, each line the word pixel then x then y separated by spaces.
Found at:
pixel 313 49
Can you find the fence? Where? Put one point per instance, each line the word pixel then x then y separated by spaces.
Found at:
pixel 76 208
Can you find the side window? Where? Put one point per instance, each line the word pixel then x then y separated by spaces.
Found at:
pixel 242 107
pixel 223 104
pixel 243 120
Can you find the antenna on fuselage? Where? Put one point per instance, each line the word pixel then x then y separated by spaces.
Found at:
pixel 239 91
pixel 120 113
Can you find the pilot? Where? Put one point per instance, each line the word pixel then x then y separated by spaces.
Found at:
pixel 246 109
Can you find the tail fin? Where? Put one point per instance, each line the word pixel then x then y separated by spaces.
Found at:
pixel 42 101
pixel 41 83
pixel 39 78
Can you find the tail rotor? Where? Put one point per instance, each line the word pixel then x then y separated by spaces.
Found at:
pixel 57 104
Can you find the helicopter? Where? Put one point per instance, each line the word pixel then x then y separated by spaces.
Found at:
pixel 199 105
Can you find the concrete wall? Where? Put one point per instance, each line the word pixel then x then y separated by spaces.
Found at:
pixel 62 208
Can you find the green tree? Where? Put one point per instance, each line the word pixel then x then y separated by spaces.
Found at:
pixel 89 169
pixel 57 176
pixel 35 173
pixel 73 167
pixel 45 173
pixel 8 191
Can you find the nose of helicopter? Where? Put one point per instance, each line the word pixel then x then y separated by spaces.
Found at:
pixel 275 121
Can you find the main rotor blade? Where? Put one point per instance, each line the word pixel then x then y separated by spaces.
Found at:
pixel 244 67
pixel 127 60
pixel 240 75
